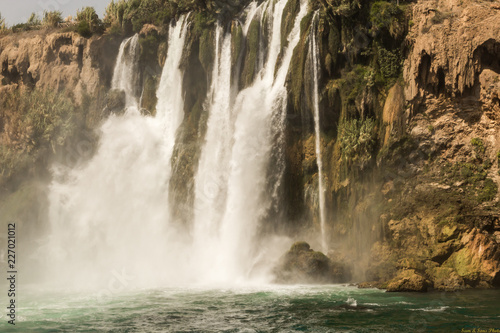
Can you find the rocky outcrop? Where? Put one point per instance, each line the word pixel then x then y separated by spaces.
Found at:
pixel 440 210
pixel 57 61
pixel 453 42
pixel 393 115
pixel 478 261
pixel 408 280
pixel 198 55
pixel 301 264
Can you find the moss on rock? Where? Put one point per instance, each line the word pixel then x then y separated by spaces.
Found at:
pixel 149 99
pixel 252 52
pixel 446 278
pixel 290 12
pixel 466 265
pixel 299 72
pixel 192 130
pixel 237 41
pixel 408 280
pixel 206 50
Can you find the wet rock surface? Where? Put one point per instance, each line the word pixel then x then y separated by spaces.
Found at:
pixel 301 264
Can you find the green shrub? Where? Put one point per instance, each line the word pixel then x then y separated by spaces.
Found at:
pixel 88 22
pixel 52 19
pixel 488 192
pixel 33 23
pixel 83 29
pixel 20 27
pixel 34 20
pixel 114 13
pixel 390 62
pixel 50 114
pixel 151 12
pixel 388 17
pixel 135 13
pixel 43 122
pixel 357 140
pixel 478 146
pixel 353 82
pixel 114 30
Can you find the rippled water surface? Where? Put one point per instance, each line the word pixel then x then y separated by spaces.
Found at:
pixel 256 309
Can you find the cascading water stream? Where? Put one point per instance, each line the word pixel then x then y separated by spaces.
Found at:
pixel 254 107
pixel 126 69
pixel 170 105
pixel 313 53
pixel 213 168
pixel 110 216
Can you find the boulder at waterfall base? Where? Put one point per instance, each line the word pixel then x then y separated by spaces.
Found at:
pixel 301 264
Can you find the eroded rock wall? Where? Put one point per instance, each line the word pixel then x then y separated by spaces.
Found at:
pixel 441 208
pixel 60 61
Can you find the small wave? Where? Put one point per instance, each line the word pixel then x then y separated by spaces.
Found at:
pixel 351 302
pixel 439 309
pixel 372 304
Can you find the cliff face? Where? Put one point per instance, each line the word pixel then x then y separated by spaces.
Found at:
pixel 409 109
pixel 57 61
pixel 412 164
pixel 441 215
pixel 454 50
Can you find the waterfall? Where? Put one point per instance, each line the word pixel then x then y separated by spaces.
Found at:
pixel 313 52
pixel 126 69
pixel 170 105
pixel 213 168
pixel 241 176
pixel 109 216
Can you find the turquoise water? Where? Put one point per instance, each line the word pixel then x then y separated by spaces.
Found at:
pixel 257 309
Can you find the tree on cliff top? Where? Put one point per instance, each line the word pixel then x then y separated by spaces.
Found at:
pixel 88 22
pixel 52 19
pixel 89 15
pixel 131 15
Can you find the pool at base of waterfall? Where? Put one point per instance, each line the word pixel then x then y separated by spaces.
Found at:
pixel 273 308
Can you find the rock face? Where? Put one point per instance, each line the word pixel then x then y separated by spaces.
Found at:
pixel 453 42
pixel 393 114
pixel 408 280
pixel 303 265
pixel 57 61
pixel 478 262
pixel 441 211
pixel 115 101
